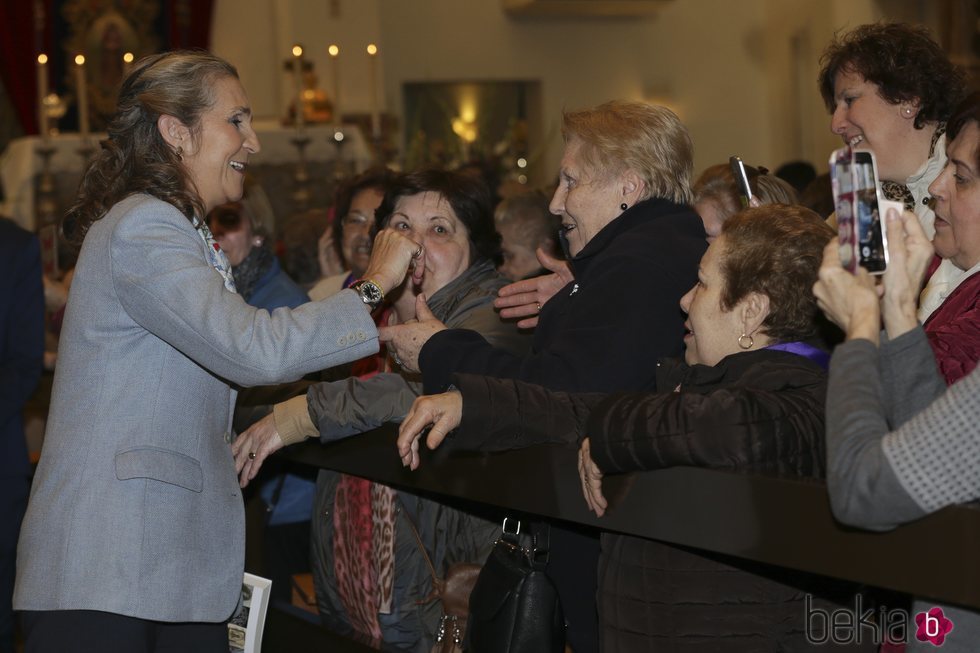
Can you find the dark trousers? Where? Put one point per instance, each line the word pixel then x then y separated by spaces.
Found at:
pixel 90 631
pixel 13 502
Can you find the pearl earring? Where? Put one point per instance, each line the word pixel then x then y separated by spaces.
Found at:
pixel 623 206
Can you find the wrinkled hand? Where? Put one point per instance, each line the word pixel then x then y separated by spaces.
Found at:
pixel 526 297
pixel 405 341
pixel 393 255
pixel 260 438
pixel 848 300
pixel 326 254
pixel 443 412
pixel 909 254
pixel 591 477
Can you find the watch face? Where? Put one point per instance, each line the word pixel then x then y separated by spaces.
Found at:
pixel 370 292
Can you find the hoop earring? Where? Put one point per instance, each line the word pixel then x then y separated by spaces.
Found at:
pixel 623 206
pixel 179 153
pixel 742 344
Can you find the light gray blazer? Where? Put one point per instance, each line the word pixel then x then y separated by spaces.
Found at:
pixel 135 508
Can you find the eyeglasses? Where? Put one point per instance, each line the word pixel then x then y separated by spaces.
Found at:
pixel 357 220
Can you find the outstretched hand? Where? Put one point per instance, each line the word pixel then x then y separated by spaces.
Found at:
pixel 253 446
pixel 525 298
pixel 405 341
pixel 591 477
pixel 443 412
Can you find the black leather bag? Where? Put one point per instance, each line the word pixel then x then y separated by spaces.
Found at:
pixel 514 607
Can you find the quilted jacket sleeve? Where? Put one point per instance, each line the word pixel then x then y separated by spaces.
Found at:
pixel 768 421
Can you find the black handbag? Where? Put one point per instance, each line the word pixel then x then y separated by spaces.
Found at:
pixel 514 607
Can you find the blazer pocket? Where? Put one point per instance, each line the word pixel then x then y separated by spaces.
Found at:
pixel 160 465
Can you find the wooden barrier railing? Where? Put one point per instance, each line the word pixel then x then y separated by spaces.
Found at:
pixel 785 522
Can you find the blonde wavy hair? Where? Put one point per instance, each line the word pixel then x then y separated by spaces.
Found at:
pixel 647 139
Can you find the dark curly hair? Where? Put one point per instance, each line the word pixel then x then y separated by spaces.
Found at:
pixel 467 194
pixel 776 250
pixel 904 63
pixel 135 158
pixel 965 112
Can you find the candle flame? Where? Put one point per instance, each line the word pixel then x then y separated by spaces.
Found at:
pixel 372 49
pixel 80 59
pixel 297 51
pixel 128 57
pixel 42 58
pixel 333 50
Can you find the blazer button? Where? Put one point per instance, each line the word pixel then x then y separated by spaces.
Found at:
pixel 342 340
pixel 360 335
pixel 228 437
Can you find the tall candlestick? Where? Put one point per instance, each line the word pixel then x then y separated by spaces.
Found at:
pixel 82 90
pixel 334 52
pixel 298 77
pixel 42 92
pixel 372 51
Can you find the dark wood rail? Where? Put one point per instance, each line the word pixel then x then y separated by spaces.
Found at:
pixel 785 522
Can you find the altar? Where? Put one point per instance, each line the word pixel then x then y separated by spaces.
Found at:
pixel 274 167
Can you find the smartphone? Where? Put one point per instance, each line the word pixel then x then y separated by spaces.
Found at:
pixel 741 180
pixel 860 210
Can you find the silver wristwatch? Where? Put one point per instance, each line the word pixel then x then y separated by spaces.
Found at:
pixel 370 292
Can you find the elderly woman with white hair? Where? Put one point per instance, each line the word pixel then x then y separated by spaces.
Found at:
pixel 633 243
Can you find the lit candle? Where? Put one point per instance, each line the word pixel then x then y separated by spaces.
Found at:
pixel 82 90
pixel 334 53
pixel 42 92
pixel 372 51
pixel 128 59
pixel 298 77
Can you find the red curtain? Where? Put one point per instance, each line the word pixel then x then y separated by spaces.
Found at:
pixel 18 57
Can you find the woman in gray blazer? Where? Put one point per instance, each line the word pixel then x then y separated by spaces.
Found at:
pixel 134 534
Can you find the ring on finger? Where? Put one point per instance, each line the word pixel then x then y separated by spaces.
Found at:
pixel 418 252
pixel 251 455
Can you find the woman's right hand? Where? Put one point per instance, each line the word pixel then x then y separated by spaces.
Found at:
pixel 442 412
pixel 909 254
pixel 849 300
pixel 392 256
pixel 525 298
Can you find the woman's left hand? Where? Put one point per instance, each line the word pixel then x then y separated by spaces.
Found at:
pixel 405 341
pixel 591 477
pixel 909 254
pixel 253 446
pixel 848 300
pixel 444 412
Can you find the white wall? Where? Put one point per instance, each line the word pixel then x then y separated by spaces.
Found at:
pixel 728 68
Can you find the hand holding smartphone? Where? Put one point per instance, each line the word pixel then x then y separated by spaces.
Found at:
pixel 860 210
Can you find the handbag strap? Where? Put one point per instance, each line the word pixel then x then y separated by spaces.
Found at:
pixel 425 555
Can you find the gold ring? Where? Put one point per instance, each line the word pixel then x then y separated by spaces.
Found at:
pixel 418 252
pixel 538 304
pixel 251 455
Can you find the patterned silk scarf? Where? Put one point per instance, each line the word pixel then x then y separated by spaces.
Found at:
pixel 216 257
pixel 900 192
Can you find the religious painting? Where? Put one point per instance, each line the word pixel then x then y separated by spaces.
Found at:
pixel 104 31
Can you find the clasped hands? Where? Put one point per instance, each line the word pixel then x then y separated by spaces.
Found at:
pixel 441 414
